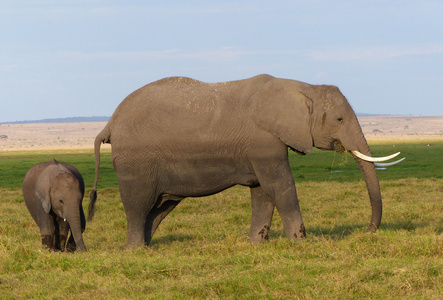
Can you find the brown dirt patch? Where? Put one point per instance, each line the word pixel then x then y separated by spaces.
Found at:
pixel 49 136
pixel 402 128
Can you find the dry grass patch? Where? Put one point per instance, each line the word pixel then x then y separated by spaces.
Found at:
pixel 202 250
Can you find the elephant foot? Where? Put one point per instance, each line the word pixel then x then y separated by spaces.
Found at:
pixel 130 246
pixel 136 237
pixel 264 233
pixel 48 242
pixel 301 233
pixel 62 243
pixel 261 236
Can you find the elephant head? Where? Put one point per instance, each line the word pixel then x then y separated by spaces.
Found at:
pixel 60 191
pixel 305 116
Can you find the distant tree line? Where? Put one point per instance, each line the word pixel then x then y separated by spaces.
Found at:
pixel 63 120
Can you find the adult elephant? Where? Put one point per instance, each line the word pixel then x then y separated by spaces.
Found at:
pixel 179 137
pixel 53 192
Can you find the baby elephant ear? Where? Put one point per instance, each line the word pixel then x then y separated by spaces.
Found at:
pixel 42 189
pixel 282 110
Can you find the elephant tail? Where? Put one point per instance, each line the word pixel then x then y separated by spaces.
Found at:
pixel 102 137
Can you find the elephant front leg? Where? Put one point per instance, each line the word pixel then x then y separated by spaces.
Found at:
pixel 278 184
pixel 48 241
pixel 47 231
pixel 63 230
pixel 289 210
pixel 262 211
pixel 67 244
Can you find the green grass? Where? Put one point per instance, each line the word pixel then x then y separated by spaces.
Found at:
pixel 422 161
pixel 202 250
pixel 13 167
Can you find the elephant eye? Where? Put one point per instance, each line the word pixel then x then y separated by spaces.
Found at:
pixel 61 201
pixel 340 119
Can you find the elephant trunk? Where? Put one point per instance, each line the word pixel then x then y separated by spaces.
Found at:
pixel 370 175
pixel 373 186
pixel 75 223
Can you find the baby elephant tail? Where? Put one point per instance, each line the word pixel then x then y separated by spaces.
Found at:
pixel 102 137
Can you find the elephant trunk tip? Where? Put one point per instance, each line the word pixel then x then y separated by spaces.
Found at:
pixel 91 208
pixel 80 247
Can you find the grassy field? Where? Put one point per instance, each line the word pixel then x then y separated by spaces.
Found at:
pixel 202 250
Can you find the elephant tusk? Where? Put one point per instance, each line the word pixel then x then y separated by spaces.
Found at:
pixel 384 165
pixel 373 159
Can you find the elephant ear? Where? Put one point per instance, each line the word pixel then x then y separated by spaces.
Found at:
pixel 42 190
pixel 282 110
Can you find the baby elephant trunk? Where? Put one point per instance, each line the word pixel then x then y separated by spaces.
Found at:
pixel 75 224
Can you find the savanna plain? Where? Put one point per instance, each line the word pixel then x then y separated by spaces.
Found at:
pixel 202 251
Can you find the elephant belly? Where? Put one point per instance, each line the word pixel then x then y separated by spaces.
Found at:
pixel 205 180
pixel 183 171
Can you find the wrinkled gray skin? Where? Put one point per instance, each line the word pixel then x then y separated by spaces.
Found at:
pixel 53 191
pixel 178 137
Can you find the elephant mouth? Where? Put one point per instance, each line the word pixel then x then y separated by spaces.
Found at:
pixel 296 151
pixel 334 145
pixel 337 146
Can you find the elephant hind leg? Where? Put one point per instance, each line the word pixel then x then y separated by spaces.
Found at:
pixel 157 214
pixel 137 203
pixel 262 211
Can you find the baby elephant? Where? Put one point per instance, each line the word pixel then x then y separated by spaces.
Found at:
pixel 53 192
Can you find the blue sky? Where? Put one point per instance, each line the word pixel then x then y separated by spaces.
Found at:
pixel 82 58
